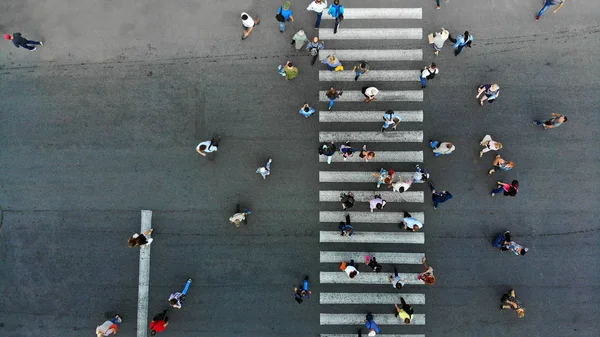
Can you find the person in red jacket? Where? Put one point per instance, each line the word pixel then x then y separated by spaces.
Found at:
pixel 159 323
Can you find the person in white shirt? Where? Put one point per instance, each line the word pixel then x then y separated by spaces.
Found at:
pixel 109 327
pixel 208 147
pixel 248 23
pixel 428 73
pixel 318 6
pixel 396 281
pixel 370 93
pixel 350 269
pixel 489 145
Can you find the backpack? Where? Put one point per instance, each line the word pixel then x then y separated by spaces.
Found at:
pixel 431 74
pixel 314 51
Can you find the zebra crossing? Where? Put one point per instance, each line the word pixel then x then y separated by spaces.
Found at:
pixel 342 304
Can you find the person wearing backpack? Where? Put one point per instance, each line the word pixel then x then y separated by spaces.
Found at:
pixel 327 150
pixel 284 13
pixel 337 11
pixel 509 189
pixel 428 73
pixel 313 49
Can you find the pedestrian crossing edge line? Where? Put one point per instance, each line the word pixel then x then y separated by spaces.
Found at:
pixel 380 13
pixel 370 298
pixel 144 278
pixel 358 319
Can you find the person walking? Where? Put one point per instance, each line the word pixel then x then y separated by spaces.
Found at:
pixel 346 150
pixel 238 217
pixel 461 41
pixel 332 63
pixel 438 39
pixel 302 293
pixel 372 327
pixel 20 42
pixel 265 170
pixel 333 94
pixel 306 110
pixel 405 312
pixel 159 322
pixel 396 281
pixel 554 122
pixel 438 197
pixel 421 175
pixel 427 276
pixel 504 242
pixel 377 203
pixel 350 269
pixel 501 165
pixel 441 148
pixel 548 3
pixel 346 228
pixel 208 148
pixel 328 150
pixel 361 68
pixel 299 39
pixel 437 4
pixel 141 239
pixel 509 189
pixel 371 261
pixel 176 299
pixel 337 11
pixel 109 327
pixel 317 6
pixel 313 49
pixel 370 93
pixel 509 301
pixel 490 93
pixel 347 200
pixel 384 177
pixel 390 119
pixel 289 70
pixel 410 224
pixel 489 145
pixel 284 13
pixel 428 73
pixel 248 24
pixel 366 155
pixel 401 185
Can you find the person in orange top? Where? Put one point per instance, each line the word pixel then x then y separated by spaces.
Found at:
pixel 159 323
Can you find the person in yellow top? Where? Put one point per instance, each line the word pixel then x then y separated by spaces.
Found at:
pixel 405 311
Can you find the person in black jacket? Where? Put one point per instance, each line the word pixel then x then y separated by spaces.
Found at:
pixel 19 41
pixel 328 150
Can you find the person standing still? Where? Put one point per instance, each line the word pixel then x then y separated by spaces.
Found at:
pixel 248 23
pixel 289 71
pixel 361 68
pixel 461 41
pixel 548 3
pixel 19 41
pixel 428 73
pixel 159 322
pixel 337 11
pixel 317 6
pixel 554 122
pixel 284 13
pixel 306 110
pixel 313 49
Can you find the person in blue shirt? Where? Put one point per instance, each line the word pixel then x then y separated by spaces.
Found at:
pixel 286 13
pixel 337 11
pixel 390 119
pixel 306 110
pixel 373 328
pixel 461 41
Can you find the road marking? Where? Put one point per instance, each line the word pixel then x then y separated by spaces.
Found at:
pixel 371 298
pixel 378 335
pixel 340 277
pixel 373 75
pixel 368 217
pixel 144 279
pixel 387 258
pixel 382 96
pixel 371 34
pixel 373 237
pixel 367 116
pixel 372 136
pixel 379 13
pixel 358 176
pixel 380 157
pixel 365 196
pixel 374 54
pixel 359 319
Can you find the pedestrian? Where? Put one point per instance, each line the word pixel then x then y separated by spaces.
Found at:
pixel 238 217
pixel 176 299
pixel 501 165
pixel 346 150
pixel 461 41
pixel 441 148
pixel 372 327
pixel 306 110
pixel 438 39
pixel 509 301
pixel 109 327
pixel 548 3
pixel 490 93
pixel 284 13
pixel 509 189
pixel 371 261
pixel 428 73
pixel 328 150
pixel 141 239
pixel 370 93
pixel 289 70
pixel 489 145
pixel 390 119
pixel 361 68
pixel 427 276
pixel 396 281
pixel 299 39
pixel 333 63
pixel 159 322
pixel 377 203
pixel 302 293
pixel 19 41
pixel 313 49
pixel 405 312
pixel 266 170
pixel 554 122
pixel 366 155
pixel 437 4
pixel 420 175
pixel 317 6
pixel 347 200
pixel 384 177
pixel 504 242
pixel 346 228
pixel 401 185
pixel 410 224
pixel 350 269
pixel 337 11
pixel 438 197
pixel 209 147
pixel 333 94
pixel 248 23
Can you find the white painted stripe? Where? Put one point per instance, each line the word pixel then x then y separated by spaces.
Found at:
pixel 358 177
pixel 378 335
pixel 371 298
pixel 379 13
pixel 374 54
pixel 367 116
pixel 382 96
pixel 373 75
pixel 359 319
pixel 373 237
pixel 365 196
pixel 368 217
pixel 387 258
pixel 340 277
pixel 144 279
pixel 380 157
pixel 371 34
pixel 372 136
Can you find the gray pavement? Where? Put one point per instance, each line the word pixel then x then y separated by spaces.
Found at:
pixel 102 121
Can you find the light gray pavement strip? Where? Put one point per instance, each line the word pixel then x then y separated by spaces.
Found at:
pixel 368 217
pixel 388 258
pixel 379 13
pixel 340 277
pixel 365 196
pixel 358 176
pixel 380 157
pixel 371 298
pixel 371 34
pixel 373 75
pixel 373 237
pixel 144 279
pixel 372 136
pixel 379 335
pixel 367 116
pixel 373 54
pixel 382 96
pixel 359 319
